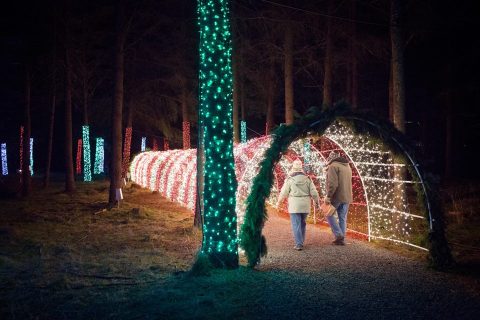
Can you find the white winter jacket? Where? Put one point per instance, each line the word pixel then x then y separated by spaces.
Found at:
pixel 298 188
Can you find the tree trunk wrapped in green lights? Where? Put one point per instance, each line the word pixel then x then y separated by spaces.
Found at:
pixel 220 221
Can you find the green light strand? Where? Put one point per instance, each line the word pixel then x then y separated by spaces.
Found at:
pixel 243 131
pixel 99 157
pixel 87 165
pixel 216 110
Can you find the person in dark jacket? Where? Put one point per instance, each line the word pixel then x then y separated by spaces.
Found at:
pixel 299 189
pixel 339 194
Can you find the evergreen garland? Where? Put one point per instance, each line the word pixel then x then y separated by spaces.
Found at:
pixel 317 121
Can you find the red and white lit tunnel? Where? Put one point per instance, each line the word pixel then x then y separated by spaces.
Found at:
pixel 384 201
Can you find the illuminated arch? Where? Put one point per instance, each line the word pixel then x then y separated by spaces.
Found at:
pixel 382 207
pixel 386 181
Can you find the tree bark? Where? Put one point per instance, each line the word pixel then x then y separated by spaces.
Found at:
pixel 185 117
pixel 448 135
pixel 289 93
pixel 128 142
pixel 236 100
pixel 398 92
pixel 46 181
pixel 390 92
pixel 328 67
pixel 69 173
pixel 116 160
pixel 398 80
pixel 270 97
pixel 352 82
pixel 26 181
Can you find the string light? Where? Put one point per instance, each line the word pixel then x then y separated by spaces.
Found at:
pixel 87 165
pixel 4 160
pixel 216 110
pixel 186 134
pixel 31 156
pixel 144 144
pixel 378 210
pixel 126 151
pixel 21 148
pixel 99 156
pixel 243 131
pixel 166 145
pixel 79 157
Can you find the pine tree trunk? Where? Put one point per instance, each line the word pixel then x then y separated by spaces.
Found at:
pixel 198 218
pixel 85 104
pixel 398 92
pixel 185 117
pixel 26 180
pixel 116 160
pixel 270 98
pixel 390 92
pixel 127 144
pixel 51 126
pixel 50 138
pixel 353 65
pixel 289 95
pixel 328 77
pixel 236 100
pixel 69 173
pixel 448 135
pixel 398 80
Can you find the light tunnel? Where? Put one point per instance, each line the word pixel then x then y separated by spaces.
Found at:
pixel 384 196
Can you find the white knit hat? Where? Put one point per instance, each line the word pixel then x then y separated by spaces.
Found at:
pixel 332 156
pixel 297 166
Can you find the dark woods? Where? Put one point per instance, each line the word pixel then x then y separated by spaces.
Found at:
pixel 119 64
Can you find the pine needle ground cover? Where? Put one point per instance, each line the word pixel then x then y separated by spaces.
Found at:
pixel 64 257
pixel 56 248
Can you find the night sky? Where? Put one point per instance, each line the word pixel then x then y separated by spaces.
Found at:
pixel 441 65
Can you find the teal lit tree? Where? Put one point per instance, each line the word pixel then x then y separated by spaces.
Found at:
pixel 87 166
pixel 215 115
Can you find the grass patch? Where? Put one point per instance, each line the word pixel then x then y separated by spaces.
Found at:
pixel 55 242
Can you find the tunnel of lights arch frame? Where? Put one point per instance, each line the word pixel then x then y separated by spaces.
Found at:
pixel 172 173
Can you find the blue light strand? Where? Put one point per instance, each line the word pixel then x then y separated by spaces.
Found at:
pixel 31 156
pixel 4 160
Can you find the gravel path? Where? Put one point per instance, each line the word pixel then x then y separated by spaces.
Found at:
pixel 357 281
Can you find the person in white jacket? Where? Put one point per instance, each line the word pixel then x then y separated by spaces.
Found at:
pixel 299 189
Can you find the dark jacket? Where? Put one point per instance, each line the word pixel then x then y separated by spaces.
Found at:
pixel 339 182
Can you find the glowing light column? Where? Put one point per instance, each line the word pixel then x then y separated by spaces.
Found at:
pixel 243 131
pixel 144 143
pixel 99 156
pixel 186 135
pixel 126 151
pixel 31 156
pixel 79 157
pixel 21 148
pixel 166 144
pixel 4 160
pixel 216 108
pixel 87 165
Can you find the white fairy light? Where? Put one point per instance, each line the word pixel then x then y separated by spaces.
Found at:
pixel 380 209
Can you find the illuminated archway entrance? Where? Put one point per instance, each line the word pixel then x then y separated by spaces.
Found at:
pixel 399 204
pixel 385 205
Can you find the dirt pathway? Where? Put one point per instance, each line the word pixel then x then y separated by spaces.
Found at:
pixel 357 281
